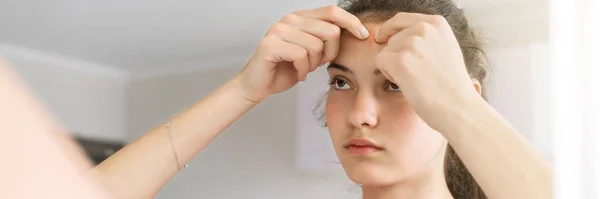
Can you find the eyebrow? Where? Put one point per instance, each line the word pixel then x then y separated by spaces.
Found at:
pixel 346 69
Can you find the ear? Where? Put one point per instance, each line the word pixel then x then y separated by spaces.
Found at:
pixel 477 85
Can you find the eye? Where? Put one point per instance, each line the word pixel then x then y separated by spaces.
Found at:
pixel 393 87
pixel 339 84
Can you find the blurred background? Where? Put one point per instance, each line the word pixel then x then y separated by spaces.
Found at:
pixel 112 70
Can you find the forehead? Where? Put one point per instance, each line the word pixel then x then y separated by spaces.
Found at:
pixel 355 52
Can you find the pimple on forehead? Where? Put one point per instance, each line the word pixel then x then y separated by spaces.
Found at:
pixel 372 28
pixel 351 47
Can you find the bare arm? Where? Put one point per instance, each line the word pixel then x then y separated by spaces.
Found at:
pixel 285 56
pixel 424 57
pixel 39 160
pixel 141 168
pixel 503 162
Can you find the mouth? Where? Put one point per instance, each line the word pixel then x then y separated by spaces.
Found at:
pixel 362 147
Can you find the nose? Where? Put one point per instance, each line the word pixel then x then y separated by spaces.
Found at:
pixel 364 111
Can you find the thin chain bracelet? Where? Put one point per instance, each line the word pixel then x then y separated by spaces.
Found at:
pixel 168 125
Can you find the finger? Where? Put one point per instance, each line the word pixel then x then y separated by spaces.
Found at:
pixel 404 20
pixel 339 17
pixel 282 51
pixel 406 39
pixel 400 52
pixel 312 44
pixel 382 68
pixel 325 31
pixel 396 66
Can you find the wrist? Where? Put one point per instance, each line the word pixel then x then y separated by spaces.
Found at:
pixel 243 92
pixel 464 114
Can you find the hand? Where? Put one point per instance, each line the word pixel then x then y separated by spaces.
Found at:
pixel 295 46
pixel 424 59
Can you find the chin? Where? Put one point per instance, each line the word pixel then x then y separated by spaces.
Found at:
pixel 371 174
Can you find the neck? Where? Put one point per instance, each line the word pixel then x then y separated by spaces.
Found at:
pixel 425 186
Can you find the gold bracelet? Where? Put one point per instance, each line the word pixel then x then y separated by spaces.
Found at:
pixel 168 125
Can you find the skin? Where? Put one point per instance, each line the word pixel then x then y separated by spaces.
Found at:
pixel 38 159
pixel 440 93
pixel 423 57
pixel 362 103
pixel 283 58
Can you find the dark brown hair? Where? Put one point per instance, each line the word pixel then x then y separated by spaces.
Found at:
pixel 460 182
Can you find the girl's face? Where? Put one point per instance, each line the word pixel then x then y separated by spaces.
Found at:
pixel 377 136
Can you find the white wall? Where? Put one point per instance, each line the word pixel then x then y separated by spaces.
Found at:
pixel 254 158
pixel 520 90
pixel 574 67
pixel 520 84
pixel 261 155
pixel 314 149
pixel 269 153
pixel 87 99
pixel 278 148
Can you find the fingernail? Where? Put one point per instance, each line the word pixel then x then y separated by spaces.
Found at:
pixel 364 32
pixel 376 34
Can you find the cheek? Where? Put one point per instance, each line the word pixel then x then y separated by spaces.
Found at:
pixel 335 111
pixel 336 118
pixel 411 141
pixel 399 118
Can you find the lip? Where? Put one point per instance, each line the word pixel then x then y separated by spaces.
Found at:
pixel 361 146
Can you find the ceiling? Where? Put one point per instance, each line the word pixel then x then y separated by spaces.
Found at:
pixel 141 35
